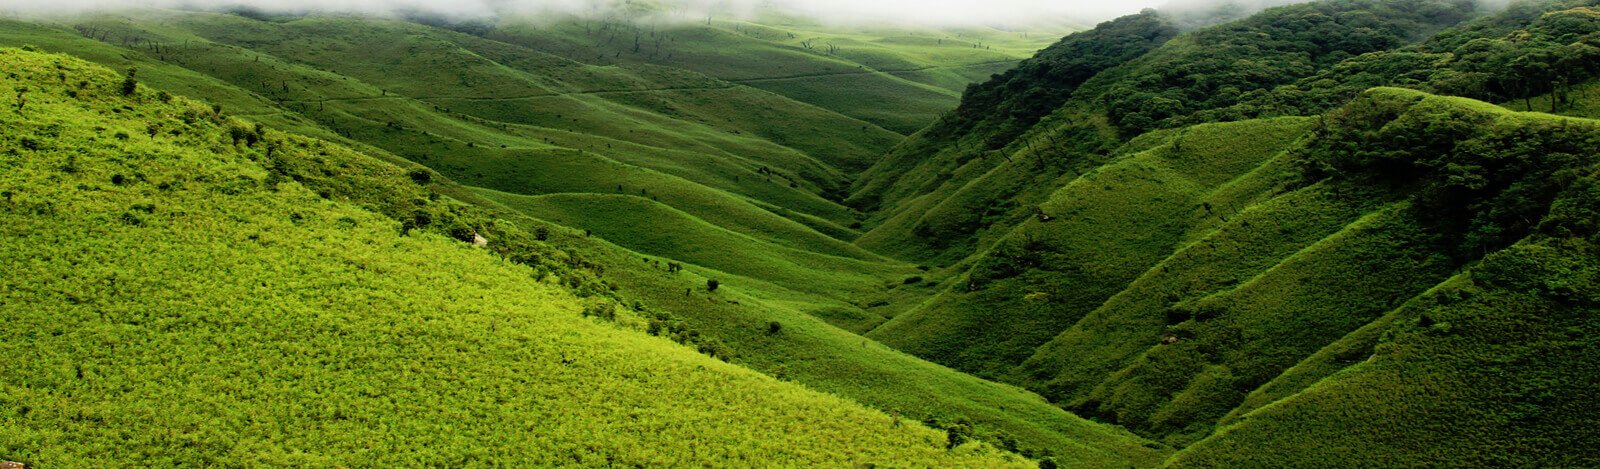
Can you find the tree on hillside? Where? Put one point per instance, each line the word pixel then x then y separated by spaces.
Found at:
pixel 129 83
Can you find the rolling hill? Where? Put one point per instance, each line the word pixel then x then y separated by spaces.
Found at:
pixel 1333 233
pixel 1207 284
pixel 177 296
pixel 676 167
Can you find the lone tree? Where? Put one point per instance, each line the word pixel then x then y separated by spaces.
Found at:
pixel 712 284
pixel 130 84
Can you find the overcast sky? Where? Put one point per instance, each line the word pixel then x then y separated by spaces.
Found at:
pixel 920 11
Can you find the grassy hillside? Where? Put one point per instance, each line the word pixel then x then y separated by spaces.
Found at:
pixel 174 299
pixel 1483 367
pixel 1276 241
pixel 1085 244
pixel 1278 276
pixel 856 71
pixel 815 343
pixel 654 229
pixel 577 160
pixel 1098 89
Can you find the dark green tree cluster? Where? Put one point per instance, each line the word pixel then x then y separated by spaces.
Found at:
pixel 1219 67
pixel 1012 102
pixel 1481 183
pixel 1530 50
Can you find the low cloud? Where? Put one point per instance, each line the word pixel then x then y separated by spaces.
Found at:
pixel 932 12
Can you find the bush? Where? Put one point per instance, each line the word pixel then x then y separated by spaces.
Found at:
pixel 130 84
pixel 604 310
pixel 958 433
pixel 712 284
pixel 774 327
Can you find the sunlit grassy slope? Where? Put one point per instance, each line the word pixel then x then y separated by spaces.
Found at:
pixel 652 228
pixel 173 298
pixel 712 153
pixel 548 160
pixel 809 348
pixel 856 71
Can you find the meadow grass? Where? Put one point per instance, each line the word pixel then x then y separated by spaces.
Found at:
pixel 170 302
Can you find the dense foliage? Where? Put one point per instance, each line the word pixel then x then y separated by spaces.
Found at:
pixel 1533 49
pixel 1012 102
pixel 1217 67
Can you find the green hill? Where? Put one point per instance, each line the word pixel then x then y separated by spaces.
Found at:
pixel 1095 90
pixel 899 78
pixel 1183 282
pixel 677 170
pixel 174 298
pixel 1341 232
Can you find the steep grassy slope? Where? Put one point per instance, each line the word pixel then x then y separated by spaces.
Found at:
pixel 1262 286
pixel 856 71
pixel 808 351
pixel 1086 243
pixel 1122 88
pixel 996 111
pixel 448 89
pixel 1509 344
pixel 655 229
pixel 170 301
pixel 808 348
pixel 1484 368
pixel 674 146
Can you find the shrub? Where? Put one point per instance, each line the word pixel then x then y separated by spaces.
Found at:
pixel 958 433
pixel 129 83
pixel 712 284
pixel 420 176
pixel 774 327
pixel 604 310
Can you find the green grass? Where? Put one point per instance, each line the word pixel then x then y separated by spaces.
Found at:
pixel 1476 372
pixel 655 229
pixel 175 304
pixel 1105 229
pixel 1583 101
pixel 872 98
pixel 811 349
pixel 1187 306
pixel 696 154
pixel 792 57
